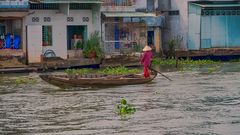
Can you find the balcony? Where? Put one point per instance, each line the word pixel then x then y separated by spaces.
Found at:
pixel 118 5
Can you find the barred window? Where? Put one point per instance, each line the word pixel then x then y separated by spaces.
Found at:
pixel 47 35
pixel 44 6
pixel 80 6
pixel 227 12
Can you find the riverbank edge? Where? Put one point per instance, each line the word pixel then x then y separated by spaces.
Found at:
pixel 56 64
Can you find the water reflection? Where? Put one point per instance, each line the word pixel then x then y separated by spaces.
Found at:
pixel 194 103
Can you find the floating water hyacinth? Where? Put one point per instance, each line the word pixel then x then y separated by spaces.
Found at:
pixel 24 80
pixel 124 108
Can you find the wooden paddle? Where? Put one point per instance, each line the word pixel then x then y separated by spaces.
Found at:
pixel 160 73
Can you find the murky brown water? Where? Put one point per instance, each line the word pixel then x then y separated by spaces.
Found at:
pixel 194 103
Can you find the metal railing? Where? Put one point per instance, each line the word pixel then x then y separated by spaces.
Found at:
pixel 122 47
pixel 118 2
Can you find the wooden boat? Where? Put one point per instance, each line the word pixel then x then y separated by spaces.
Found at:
pixel 96 80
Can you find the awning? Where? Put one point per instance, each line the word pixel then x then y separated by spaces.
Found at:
pixel 154 21
pixel 13 14
pixel 129 14
pixel 69 1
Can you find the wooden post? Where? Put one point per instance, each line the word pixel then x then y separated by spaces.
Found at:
pixel 158 41
pixel 41 57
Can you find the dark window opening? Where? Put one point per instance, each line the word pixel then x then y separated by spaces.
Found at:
pixel 79 6
pixel 150 6
pixel 47 35
pixel 51 6
pixel 76 35
pixel 10 34
pixel 219 12
pixel 175 12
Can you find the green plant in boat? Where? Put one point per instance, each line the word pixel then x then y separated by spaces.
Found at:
pixel 119 71
pixel 109 70
pixel 82 71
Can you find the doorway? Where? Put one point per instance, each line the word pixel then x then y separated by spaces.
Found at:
pixel 78 32
pixel 150 38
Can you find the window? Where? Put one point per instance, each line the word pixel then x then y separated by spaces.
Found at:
pixel 174 12
pixel 70 19
pixel 35 19
pixel 150 5
pixel 164 5
pixel 79 6
pixel 47 19
pixel 76 35
pixel 44 6
pixel 47 35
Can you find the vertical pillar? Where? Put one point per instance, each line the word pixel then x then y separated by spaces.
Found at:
pixel 116 34
pixel 96 18
pixel 23 38
pixel 158 41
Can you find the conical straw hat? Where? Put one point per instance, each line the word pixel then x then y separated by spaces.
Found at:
pixel 147 48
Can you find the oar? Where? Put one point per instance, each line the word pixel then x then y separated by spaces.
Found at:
pixel 160 73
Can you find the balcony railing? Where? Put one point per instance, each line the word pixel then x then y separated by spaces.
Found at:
pixel 124 47
pixel 118 2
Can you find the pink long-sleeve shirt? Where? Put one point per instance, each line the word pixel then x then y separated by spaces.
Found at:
pixel 146 58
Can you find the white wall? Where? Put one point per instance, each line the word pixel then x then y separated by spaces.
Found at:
pixel 177 25
pixel 59 26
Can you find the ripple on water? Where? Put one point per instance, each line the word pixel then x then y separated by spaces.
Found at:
pixel 221 100
pixel 191 104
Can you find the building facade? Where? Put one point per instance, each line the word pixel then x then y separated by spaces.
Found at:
pixel 12 27
pixel 201 24
pixel 129 25
pixel 52 27
pixel 47 28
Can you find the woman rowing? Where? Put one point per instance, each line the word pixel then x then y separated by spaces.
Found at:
pixel 146 60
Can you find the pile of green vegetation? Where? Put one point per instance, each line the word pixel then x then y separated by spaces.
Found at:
pixel 119 71
pixel 82 71
pixel 109 70
pixel 184 65
pixel 124 108
pixel 24 80
pixel 181 62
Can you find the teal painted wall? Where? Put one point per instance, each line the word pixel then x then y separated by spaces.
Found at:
pixel 194 27
pixel 213 28
pixel 220 31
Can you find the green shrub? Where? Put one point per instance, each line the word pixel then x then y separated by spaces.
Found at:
pixel 92 46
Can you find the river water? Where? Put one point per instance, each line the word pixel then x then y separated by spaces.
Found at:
pixel 194 103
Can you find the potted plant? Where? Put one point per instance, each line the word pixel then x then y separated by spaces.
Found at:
pixel 92 48
pixel 79 45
